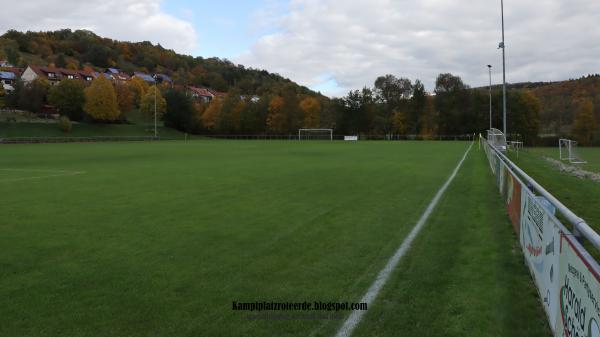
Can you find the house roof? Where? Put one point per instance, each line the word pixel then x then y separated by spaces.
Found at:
pixel 144 77
pixel 113 70
pixel 201 92
pixel 15 70
pixel 121 76
pixel 59 73
pixel 163 78
pixel 7 75
pixel 218 93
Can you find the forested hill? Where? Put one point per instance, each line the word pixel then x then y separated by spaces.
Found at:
pixel 81 48
pixel 560 100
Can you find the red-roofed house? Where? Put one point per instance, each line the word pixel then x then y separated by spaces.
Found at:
pixel 201 94
pixel 54 75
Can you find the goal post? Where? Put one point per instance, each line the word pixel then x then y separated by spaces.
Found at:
pixel 568 150
pixel 315 134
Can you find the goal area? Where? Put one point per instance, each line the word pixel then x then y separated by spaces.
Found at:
pixel 315 134
pixel 568 150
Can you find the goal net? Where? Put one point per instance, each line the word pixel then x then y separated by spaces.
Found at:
pixel 568 151
pixel 315 134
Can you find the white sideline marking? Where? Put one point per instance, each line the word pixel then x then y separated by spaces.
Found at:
pixel 51 173
pixel 352 321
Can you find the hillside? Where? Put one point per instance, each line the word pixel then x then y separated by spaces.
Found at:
pixel 81 49
pixel 559 100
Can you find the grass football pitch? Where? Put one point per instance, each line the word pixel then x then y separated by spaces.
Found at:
pixel 158 239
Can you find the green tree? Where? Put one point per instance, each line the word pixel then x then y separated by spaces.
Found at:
pixel 68 96
pixel 101 100
pixel 180 110
pixel 451 95
pixel 584 123
pixel 33 96
pixel 12 55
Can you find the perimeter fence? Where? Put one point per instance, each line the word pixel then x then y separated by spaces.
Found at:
pixel 554 241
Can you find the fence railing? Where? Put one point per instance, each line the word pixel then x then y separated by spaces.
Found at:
pixel 565 274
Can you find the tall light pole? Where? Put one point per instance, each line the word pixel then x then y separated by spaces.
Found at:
pixel 155 130
pixel 490 71
pixel 503 46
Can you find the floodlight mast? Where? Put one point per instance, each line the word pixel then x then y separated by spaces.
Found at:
pixel 503 46
pixel 490 71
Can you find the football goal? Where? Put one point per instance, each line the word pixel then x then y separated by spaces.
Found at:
pixel 315 134
pixel 568 151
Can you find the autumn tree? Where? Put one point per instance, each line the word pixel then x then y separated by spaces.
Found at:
pixel 276 119
pixel 230 115
pixel 399 122
pixel 101 100
pixel 147 104
pixel 68 96
pixel 584 123
pixel 311 110
pixel 211 115
pixel 125 98
pixel 139 88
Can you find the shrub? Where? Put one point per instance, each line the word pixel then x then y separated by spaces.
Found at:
pixel 65 124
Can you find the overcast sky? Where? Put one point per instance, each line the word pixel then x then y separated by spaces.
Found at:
pixel 336 45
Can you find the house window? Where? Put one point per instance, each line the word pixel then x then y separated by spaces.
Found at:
pixel 51 75
pixel 70 76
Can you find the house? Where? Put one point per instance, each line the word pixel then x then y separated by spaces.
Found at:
pixel 5 63
pixel 162 78
pixel 251 98
pixel 117 75
pixel 7 79
pixel 144 77
pixel 201 94
pixel 54 75
pixel 218 94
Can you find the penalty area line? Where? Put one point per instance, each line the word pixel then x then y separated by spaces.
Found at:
pixel 51 173
pixel 356 316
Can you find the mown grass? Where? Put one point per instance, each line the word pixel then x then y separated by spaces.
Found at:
pixel 579 195
pixel 590 154
pixel 464 275
pixel 158 239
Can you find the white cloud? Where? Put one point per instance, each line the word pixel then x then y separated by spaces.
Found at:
pixel 129 20
pixel 352 42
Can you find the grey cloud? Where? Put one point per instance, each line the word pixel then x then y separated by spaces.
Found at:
pixel 130 20
pixel 355 41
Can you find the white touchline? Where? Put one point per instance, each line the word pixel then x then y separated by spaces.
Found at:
pixel 51 173
pixel 354 318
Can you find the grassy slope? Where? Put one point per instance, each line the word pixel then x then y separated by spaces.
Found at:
pixel 157 239
pixel 464 275
pixel 83 130
pixel 590 154
pixel 579 195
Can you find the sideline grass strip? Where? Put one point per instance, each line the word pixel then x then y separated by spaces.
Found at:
pixel 464 275
pixel 355 318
